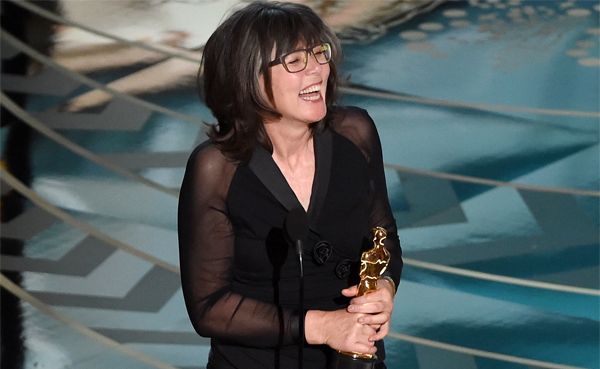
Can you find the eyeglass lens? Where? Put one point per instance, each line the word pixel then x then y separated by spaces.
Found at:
pixel 297 60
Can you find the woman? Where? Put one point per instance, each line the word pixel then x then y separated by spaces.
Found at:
pixel 269 77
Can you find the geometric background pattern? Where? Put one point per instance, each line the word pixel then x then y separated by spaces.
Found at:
pixel 505 231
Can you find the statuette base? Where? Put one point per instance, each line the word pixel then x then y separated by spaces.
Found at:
pixel 350 360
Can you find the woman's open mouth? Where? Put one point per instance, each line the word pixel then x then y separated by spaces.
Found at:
pixel 311 93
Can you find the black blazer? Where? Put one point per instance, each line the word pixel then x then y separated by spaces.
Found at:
pixel 240 276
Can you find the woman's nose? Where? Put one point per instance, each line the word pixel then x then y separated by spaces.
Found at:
pixel 312 65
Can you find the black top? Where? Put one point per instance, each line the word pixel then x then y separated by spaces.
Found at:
pixel 240 276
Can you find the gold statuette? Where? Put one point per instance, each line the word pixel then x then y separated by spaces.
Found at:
pixel 373 264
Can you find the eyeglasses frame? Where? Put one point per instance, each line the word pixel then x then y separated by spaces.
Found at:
pixel 308 50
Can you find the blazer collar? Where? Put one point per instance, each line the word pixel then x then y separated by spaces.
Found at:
pixel 267 171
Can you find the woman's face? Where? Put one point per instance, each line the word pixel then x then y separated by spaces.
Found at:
pixel 300 96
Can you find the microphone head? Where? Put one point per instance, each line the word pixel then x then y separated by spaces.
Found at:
pixel 296 224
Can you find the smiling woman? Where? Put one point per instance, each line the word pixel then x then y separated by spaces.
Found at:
pixel 281 146
pixel 301 93
pixel 248 50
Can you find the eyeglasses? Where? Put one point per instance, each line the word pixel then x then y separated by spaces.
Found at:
pixel 297 60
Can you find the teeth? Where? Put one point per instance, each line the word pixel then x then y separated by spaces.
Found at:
pixel 315 88
pixel 311 97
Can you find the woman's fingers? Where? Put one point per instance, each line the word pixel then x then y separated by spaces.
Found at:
pixel 381 333
pixel 363 343
pixel 376 303
pixel 350 291
pixel 369 308
pixel 375 319
pixel 374 310
pixel 372 303
pixel 342 331
pixel 365 348
pixel 379 295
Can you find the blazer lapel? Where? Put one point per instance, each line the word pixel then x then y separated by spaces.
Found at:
pixel 264 167
pixel 323 154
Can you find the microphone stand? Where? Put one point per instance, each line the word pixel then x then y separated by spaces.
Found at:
pixel 301 305
pixel 296 227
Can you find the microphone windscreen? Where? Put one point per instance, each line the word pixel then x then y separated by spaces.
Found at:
pixel 296 224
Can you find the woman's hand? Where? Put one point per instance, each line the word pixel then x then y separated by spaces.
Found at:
pixel 375 307
pixel 340 330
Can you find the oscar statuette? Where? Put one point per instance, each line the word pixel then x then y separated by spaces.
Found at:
pixel 373 264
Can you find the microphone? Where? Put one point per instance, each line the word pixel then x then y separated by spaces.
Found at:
pixel 296 228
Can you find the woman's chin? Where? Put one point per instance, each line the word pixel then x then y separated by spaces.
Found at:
pixel 317 116
pixel 316 112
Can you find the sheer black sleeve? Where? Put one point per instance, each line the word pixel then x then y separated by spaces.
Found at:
pixel 356 125
pixel 206 251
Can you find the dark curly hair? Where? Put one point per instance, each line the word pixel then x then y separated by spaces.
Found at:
pixel 238 53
